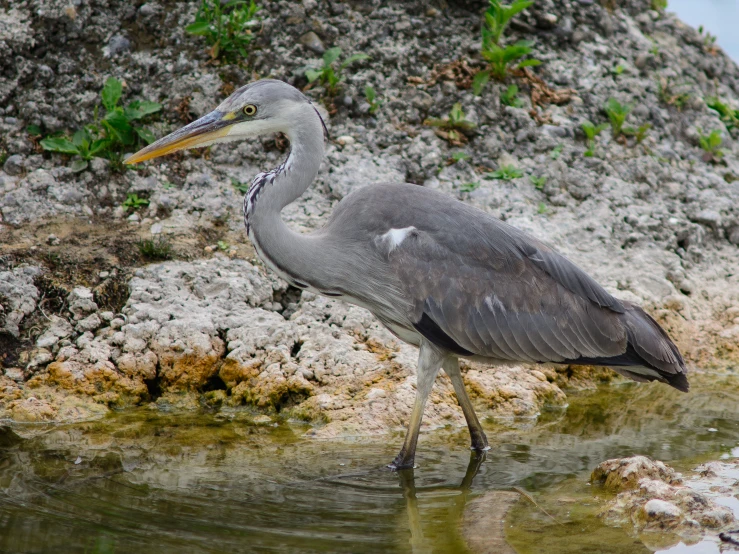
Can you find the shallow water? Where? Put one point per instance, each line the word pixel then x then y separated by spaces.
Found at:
pixel 142 481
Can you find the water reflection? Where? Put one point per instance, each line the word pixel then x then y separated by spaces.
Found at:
pixel 197 483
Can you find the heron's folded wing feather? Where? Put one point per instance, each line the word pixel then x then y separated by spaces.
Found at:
pixel 514 301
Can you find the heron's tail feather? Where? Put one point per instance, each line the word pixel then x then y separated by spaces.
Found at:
pixel 650 354
pixel 654 349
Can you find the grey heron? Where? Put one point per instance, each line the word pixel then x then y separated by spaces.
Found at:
pixel 438 273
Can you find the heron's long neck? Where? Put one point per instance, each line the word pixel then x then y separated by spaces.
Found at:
pixel 291 254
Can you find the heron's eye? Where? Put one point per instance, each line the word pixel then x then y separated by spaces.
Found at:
pixel 250 110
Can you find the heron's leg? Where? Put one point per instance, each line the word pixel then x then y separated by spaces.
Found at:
pixel 479 440
pixel 429 363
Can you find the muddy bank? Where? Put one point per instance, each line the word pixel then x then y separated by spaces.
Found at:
pixel 93 319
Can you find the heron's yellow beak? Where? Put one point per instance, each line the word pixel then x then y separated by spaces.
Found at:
pixel 202 132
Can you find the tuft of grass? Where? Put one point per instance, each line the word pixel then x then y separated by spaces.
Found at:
pixel 157 248
pixel 640 133
pixel 371 96
pixel 459 156
pixel 538 182
pixel 659 5
pixel 454 127
pixel 556 152
pixel 133 202
pixel 510 97
pixel 505 173
pixel 728 115
pixel 542 208
pixel 226 27
pixel 107 137
pixel 469 187
pixel 669 94
pixel 709 40
pixel 329 74
pixel 711 145
pixel 617 114
pixel 499 57
pixel 591 131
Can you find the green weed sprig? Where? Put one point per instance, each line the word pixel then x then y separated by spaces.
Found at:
pixel 107 137
pixel 226 27
pixel 453 128
pixel 591 131
pixel 330 76
pixel 500 57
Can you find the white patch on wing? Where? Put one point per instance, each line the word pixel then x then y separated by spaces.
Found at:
pixel 494 303
pixel 395 237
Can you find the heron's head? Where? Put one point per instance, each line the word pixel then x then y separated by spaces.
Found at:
pixel 262 107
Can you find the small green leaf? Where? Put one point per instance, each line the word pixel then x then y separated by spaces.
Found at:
pixel 479 81
pixel 146 135
pixel 33 130
pixel 354 58
pixel 111 93
pixel 313 74
pixel 369 94
pixel 119 127
pixel 331 55
pixel 531 62
pixel 99 146
pixel 198 28
pixel 81 139
pixel 78 165
pixel 59 144
pixel 139 109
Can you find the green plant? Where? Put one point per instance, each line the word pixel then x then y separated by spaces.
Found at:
pixel 659 5
pixel 459 156
pixel 640 133
pixel 542 208
pixel 556 152
pixel 371 97
pixel 668 93
pixel 133 202
pixel 728 115
pixel 618 70
pixel 222 245
pixel 505 173
pixel 243 188
pixel 710 144
pixel 510 97
pixel 328 76
pixel 538 182
pixel 497 17
pixel 709 40
pixel 469 187
pixel 617 113
pixel 500 57
pixel 591 131
pixel 155 249
pixel 109 136
pixel 454 127
pixel 225 27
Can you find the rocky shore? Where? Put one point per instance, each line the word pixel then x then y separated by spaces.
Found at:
pixel 89 322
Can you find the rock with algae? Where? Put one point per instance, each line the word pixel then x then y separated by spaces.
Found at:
pixel 653 497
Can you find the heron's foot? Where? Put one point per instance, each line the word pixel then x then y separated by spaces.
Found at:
pixel 402 461
pixel 479 442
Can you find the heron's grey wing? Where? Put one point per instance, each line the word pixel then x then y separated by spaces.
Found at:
pixel 493 291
